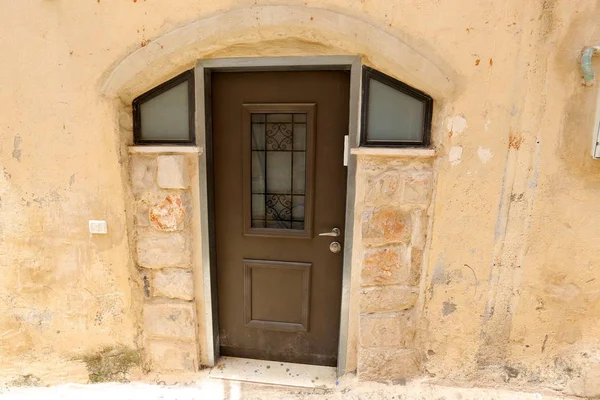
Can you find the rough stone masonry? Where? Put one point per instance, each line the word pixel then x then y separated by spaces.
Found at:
pixel 160 185
pixel 394 196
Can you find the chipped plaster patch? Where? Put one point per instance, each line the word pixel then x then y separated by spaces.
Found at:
pixel 456 125
pixel 487 124
pixel 455 155
pixel 484 154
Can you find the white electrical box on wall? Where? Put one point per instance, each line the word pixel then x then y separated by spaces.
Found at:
pixel 98 227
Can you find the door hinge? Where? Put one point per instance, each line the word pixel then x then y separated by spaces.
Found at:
pixel 346 149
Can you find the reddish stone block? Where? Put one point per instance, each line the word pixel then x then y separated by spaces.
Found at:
pixel 385 225
pixel 168 214
pixel 384 266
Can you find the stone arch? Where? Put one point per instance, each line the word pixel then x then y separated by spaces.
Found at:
pixel 331 31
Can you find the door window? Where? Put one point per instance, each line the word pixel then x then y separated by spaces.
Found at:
pixel 279 168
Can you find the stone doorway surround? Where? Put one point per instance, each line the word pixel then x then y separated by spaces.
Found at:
pixel 393 192
pixel 389 193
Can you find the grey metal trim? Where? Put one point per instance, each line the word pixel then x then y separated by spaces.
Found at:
pixel 352 63
pixel 204 214
pixel 353 132
pixel 279 63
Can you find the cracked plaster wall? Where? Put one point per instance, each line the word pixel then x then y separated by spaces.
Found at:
pixel 510 286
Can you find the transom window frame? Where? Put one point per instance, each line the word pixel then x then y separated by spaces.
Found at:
pixel 187 76
pixel 369 74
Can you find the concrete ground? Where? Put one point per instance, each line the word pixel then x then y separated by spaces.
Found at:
pixel 201 386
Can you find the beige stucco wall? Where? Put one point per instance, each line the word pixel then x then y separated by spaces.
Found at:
pixel 510 288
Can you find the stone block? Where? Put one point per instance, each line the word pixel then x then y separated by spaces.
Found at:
pixel 419 228
pixel 385 187
pixel 174 283
pixel 416 266
pixel 143 169
pixel 387 299
pixel 163 250
pixel 587 385
pixel 388 365
pixel 141 217
pixel 167 355
pixel 168 214
pixel 394 330
pixel 385 266
pixel 418 188
pixel 177 321
pixel 385 225
pixel 172 172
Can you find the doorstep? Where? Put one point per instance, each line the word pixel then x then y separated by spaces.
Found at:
pixel 274 373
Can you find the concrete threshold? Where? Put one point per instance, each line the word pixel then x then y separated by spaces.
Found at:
pixel 274 373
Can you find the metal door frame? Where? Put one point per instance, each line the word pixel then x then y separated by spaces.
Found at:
pixel 204 141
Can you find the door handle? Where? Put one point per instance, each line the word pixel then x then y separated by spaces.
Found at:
pixel 335 232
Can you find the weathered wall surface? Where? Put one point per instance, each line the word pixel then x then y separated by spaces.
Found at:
pixel 509 289
pixel 511 293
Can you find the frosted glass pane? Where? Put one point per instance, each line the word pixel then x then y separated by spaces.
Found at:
pixel 258 206
pixel 279 117
pixel 299 136
pixel 393 115
pixel 166 116
pixel 279 172
pixel 299 170
pixel 258 172
pixel 298 208
pixel 258 136
pixel 299 117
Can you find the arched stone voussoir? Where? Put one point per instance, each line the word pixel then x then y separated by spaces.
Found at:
pixel 180 48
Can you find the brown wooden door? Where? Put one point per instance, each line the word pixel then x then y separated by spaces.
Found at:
pixel 279 181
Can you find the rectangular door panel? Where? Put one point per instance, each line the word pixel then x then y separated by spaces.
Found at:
pixel 277 295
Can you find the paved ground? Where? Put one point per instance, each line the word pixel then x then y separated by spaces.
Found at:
pixel 203 387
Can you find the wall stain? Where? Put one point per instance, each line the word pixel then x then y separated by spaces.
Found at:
pixel 448 308
pixel 111 364
pixel 16 153
pixel 515 140
pixel 544 344
pixel 510 373
pixel 28 380
pixel 146 286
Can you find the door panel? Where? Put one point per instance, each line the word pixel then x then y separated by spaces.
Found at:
pixel 279 182
pixel 277 295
